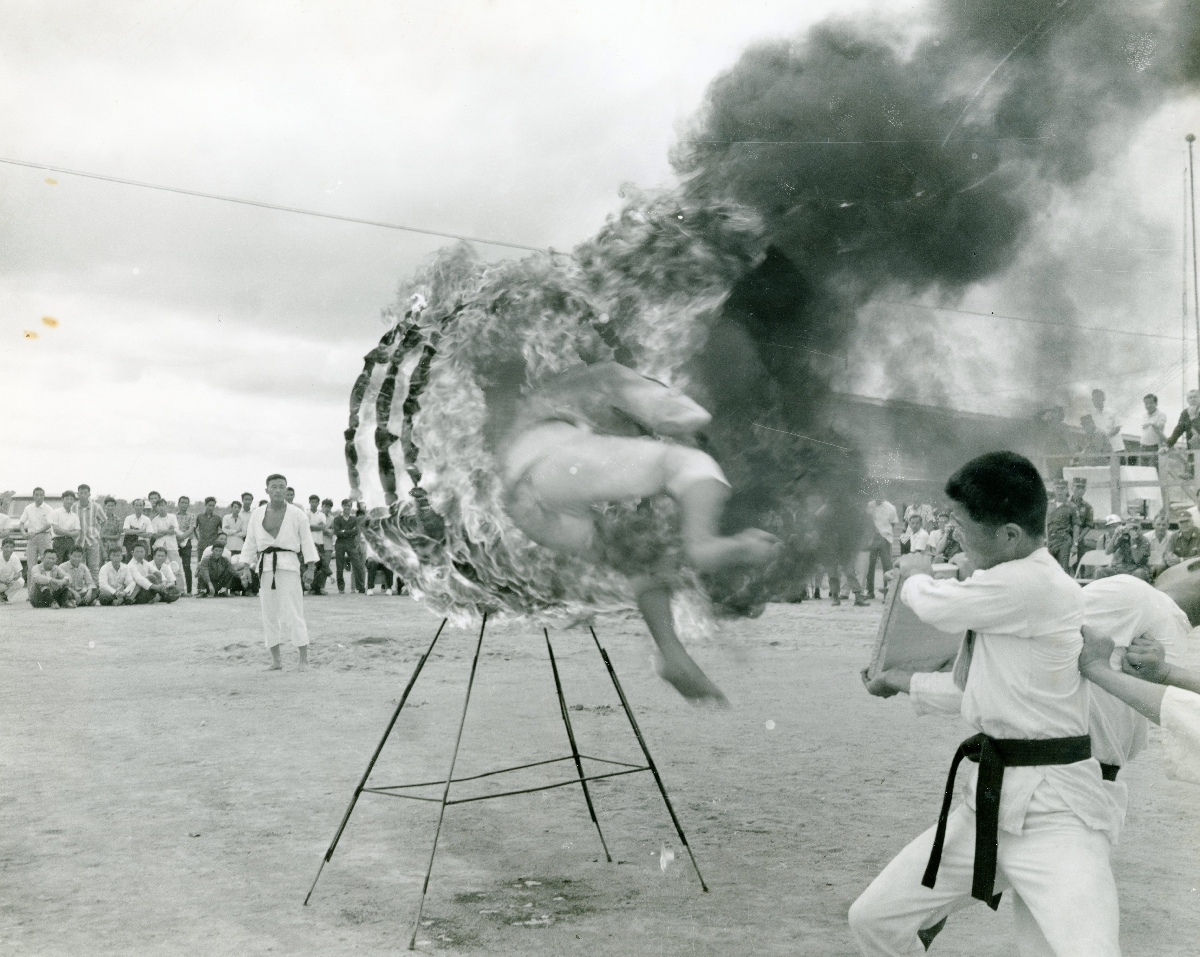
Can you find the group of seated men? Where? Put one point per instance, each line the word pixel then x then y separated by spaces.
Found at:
pixel 70 584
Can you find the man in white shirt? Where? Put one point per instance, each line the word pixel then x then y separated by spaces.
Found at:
pixel 136 528
pixel 914 540
pixel 164 528
pixel 82 585
pixel 884 517
pixel 116 584
pixel 279 542
pixel 234 526
pixel 1106 422
pixel 7 522
pixel 1154 435
pixel 318 522
pixel 162 577
pixel 64 524
pixel 35 523
pixel 147 586
pixel 1040 819
pixel 12 584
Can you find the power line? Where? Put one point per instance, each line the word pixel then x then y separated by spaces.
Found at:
pixel 274 206
pixel 1038 322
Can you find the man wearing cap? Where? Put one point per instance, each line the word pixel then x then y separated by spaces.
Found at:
pixel 1185 543
pixel 1084 513
pixel 1062 527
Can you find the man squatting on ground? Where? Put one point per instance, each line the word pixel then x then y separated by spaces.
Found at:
pixel 1042 820
pixel 1136 617
pixel 280 532
pixel 12 584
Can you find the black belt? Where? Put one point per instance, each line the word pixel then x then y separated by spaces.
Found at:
pixel 273 551
pixel 994 755
pixel 1109 771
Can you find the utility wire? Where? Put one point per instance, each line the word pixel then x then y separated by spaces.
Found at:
pixel 274 206
pixel 1038 322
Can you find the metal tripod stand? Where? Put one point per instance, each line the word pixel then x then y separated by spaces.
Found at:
pixel 581 777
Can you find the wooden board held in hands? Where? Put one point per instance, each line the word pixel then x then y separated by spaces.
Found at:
pixel 904 641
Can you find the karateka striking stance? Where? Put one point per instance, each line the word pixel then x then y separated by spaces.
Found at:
pixel 279 541
pixel 1037 815
pixel 602 434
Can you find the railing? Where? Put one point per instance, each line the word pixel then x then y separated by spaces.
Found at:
pixel 1175 468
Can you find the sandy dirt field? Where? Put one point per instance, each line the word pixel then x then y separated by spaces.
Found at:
pixel 161 793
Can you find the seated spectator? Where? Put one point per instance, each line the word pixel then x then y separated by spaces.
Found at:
pixel 1185 543
pixel 82 585
pixel 64 524
pixel 215 574
pixel 949 546
pixel 162 576
pixel 1159 539
pixel 49 587
pixel 146 591
pixel 12 584
pixel 235 526
pixel 1129 549
pixel 136 528
pixel 914 540
pixel 116 584
pixel 377 568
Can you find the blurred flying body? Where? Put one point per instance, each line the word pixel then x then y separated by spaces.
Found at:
pixel 601 434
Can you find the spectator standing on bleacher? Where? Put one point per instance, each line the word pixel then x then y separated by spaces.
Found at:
pixel 1106 422
pixel 136 529
pixel 35 523
pixel 1062 527
pixel 91 529
pixel 1154 434
pixel 1093 441
pixel 1188 426
pixel 64 523
pixel 1185 543
pixel 884 518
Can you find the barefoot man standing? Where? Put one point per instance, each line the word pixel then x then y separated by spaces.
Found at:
pixel 279 542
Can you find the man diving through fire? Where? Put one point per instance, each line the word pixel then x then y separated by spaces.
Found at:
pixel 603 434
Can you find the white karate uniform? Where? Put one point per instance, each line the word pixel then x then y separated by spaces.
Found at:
pixel 1057 822
pixel 283 605
pixel 1180 717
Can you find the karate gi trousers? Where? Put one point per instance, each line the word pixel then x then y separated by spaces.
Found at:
pixel 282 607
pixel 1058 866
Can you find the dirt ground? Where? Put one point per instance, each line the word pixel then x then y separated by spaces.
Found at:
pixel 162 793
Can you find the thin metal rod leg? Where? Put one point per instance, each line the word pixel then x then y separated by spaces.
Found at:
pixel 649 760
pixel 412 943
pixel 562 707
pixel 374 757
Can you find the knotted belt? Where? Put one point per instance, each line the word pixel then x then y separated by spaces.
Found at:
pixel 273 551
pixel 993 756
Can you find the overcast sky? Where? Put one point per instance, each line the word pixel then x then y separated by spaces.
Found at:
pixel 200 345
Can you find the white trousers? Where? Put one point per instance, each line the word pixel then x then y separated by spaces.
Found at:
pixel 14 590
pixel 282 607
pixel 1058 868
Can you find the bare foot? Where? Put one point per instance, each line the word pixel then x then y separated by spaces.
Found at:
pixel 687 678
pixel 275 666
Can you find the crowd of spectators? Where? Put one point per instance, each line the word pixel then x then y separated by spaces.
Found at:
pixel 88 552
